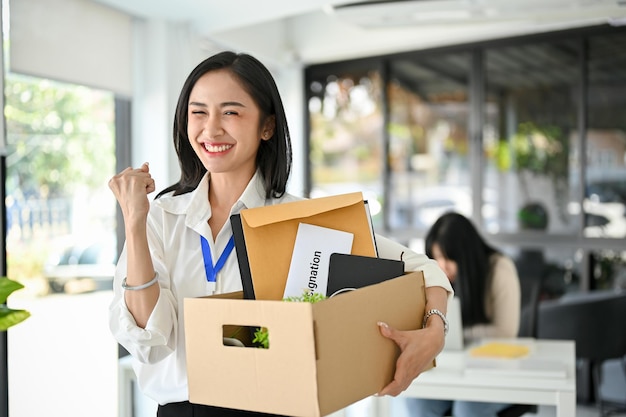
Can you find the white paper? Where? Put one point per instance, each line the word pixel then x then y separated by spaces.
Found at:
pixel 308 270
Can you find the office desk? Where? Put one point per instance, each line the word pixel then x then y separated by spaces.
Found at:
pixel 453 378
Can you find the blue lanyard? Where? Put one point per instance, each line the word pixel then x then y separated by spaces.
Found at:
pixel 210 269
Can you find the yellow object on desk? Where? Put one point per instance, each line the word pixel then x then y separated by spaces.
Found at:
pixel 500 350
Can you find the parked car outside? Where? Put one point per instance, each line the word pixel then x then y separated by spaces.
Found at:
pixel 605 208
pixel 93 262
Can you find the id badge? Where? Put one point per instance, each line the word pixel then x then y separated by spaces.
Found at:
pixel 210 287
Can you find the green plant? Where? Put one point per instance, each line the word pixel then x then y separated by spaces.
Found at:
pixel 8 316
pixel 307 297
pixel 543 150
pixel 261 335
pixel 261 338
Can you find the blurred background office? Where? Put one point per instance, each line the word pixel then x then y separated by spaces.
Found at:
pixel 490 108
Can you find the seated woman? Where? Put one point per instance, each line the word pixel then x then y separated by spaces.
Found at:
pixel 487 284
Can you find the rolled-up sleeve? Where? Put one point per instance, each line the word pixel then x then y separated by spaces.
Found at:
pixel 148 345
pixel 158 339
pixel 413 261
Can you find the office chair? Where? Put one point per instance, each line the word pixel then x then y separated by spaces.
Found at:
pixel 531 293
pixel 595 322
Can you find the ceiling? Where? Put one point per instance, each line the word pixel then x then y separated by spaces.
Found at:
pixel 315 31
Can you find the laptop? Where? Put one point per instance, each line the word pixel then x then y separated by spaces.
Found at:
pixel 454 339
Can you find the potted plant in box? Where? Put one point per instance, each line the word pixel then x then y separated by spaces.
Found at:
pixel 261 336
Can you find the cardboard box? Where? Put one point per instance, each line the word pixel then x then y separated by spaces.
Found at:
pixel 322 357
pixel 270 232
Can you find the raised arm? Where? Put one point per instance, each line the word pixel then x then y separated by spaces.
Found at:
pixel 131 188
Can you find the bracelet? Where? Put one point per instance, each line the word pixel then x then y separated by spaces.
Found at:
pixel 435 312
pixel 142 286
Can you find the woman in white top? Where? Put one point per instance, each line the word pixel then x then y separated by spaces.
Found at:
pixel 487 284
pixel 234 149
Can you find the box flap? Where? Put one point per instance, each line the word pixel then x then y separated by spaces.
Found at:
pixel 237 295
pixel 354 359
pixel 262 216
pixel 246 377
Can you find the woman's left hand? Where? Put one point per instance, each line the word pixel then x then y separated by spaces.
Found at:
pixel 418 349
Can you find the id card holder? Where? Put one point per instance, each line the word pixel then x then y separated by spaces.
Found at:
pixel 211 286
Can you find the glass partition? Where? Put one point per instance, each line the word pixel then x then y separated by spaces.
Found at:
pixel 546 164
pixel 428 140
pixel 605 188
pixel 530 135
pixel 346 143
pixel 61 245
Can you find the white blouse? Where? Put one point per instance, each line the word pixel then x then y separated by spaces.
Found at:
pixel 174 226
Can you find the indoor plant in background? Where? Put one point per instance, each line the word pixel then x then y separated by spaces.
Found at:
pixel 538 152
pixel 8 316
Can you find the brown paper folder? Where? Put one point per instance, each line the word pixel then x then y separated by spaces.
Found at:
pixel 270 232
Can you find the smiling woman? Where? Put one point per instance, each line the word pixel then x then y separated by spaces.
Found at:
pixel 223 125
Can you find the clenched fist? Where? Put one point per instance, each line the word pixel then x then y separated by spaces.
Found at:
pixel 131 188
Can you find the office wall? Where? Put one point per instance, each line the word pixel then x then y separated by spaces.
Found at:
pixel 75 41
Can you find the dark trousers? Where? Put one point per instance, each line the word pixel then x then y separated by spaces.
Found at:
pixel 187 409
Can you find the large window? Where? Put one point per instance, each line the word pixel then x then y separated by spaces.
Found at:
pixel 605 186
pixel 526 136
pixel 61 246
pixel 428 140
pixel 346 146
pixel 531 133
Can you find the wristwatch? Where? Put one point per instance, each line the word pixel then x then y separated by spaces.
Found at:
pixel 435 312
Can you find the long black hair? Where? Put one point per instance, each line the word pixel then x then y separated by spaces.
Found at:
pixel 460 242
pixel 274 155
